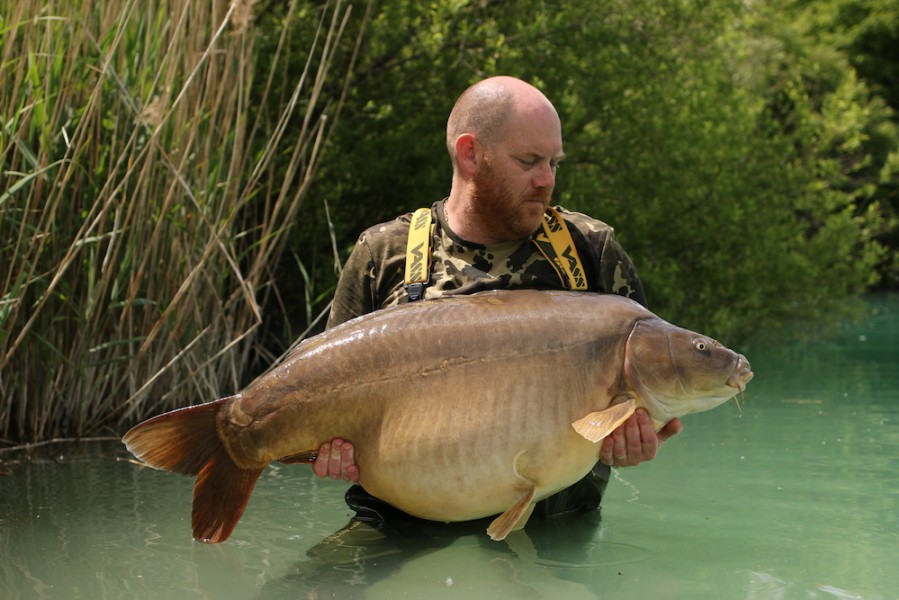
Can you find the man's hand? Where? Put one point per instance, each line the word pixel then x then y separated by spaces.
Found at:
pixel 636 440
pixel 335 460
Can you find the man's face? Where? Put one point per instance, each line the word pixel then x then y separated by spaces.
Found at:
pixel 514 183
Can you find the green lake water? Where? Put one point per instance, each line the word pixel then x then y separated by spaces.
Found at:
pixel 797 498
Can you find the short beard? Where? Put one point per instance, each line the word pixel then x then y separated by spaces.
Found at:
pixel 493 203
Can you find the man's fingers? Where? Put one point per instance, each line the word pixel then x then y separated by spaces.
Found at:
pixel 649 441
pixel 346 454
pixel 636 440
pixel 334 464
pixel 633 441
pixel 335 459
pixel 605 451
pixel 347 462
pixel 671 428
pixel 320 466
pixel 619 443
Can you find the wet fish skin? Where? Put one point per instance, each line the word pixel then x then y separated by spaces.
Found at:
pixel 458 408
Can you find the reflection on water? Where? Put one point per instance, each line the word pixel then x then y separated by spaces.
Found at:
pixel 798 498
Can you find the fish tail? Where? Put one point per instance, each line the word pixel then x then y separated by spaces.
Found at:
pixel 187 441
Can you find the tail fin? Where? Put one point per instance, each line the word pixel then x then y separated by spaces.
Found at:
pixel 187 441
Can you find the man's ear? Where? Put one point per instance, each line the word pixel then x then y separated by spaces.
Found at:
pixel 468 153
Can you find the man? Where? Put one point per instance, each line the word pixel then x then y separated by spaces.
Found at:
pixel 504 138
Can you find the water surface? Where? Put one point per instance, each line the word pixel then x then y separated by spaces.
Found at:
pixel 796 498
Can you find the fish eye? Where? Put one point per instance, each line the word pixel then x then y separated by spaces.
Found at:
pixel 701 344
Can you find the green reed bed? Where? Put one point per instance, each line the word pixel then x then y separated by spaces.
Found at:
pixel 151 161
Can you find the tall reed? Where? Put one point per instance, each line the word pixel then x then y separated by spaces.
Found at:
pixel 144 198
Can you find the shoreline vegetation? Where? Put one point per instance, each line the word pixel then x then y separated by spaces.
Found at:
pixel 146 200
pixel 180 181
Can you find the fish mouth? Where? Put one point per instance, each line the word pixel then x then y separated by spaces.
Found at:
pixel 741 376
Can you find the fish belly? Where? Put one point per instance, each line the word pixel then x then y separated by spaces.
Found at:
pixel 473 451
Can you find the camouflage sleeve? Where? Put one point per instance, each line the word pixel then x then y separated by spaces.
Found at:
pixel 617 273
pixel 609 268
pixel 353 296
pixel 373 275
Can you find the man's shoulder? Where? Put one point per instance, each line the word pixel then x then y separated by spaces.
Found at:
pixel 389 233
pixel 392 234
pixel 584 223
pixel 399 223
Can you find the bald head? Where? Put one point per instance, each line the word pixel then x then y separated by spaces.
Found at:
pixel 490 107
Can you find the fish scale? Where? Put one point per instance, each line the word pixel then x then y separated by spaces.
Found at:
pixel 458 408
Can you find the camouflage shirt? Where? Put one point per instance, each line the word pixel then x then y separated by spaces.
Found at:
pixel 373 275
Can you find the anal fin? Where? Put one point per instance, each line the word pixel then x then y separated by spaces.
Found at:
pixel 597 425
pixel 514 518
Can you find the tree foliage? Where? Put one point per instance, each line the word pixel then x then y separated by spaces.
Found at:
pixel 852 45
pixel 737 165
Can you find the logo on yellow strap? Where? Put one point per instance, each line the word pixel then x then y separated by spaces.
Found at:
pixel 555 243
pixel 418 253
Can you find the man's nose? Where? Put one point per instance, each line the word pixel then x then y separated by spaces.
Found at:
pixel 545 176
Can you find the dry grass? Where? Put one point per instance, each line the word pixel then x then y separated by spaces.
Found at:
pixel 144 197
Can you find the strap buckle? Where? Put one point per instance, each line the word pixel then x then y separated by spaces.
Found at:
pixel 416 291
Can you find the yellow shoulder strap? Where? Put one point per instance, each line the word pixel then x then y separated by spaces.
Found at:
pixel 554 241
pixel 418 253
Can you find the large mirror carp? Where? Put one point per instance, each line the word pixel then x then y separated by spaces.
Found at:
pixel 458 408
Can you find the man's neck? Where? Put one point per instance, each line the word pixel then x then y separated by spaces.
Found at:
pixel 464 222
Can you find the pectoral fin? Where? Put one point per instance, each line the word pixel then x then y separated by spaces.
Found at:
pixel 598 425
pixel 514 518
